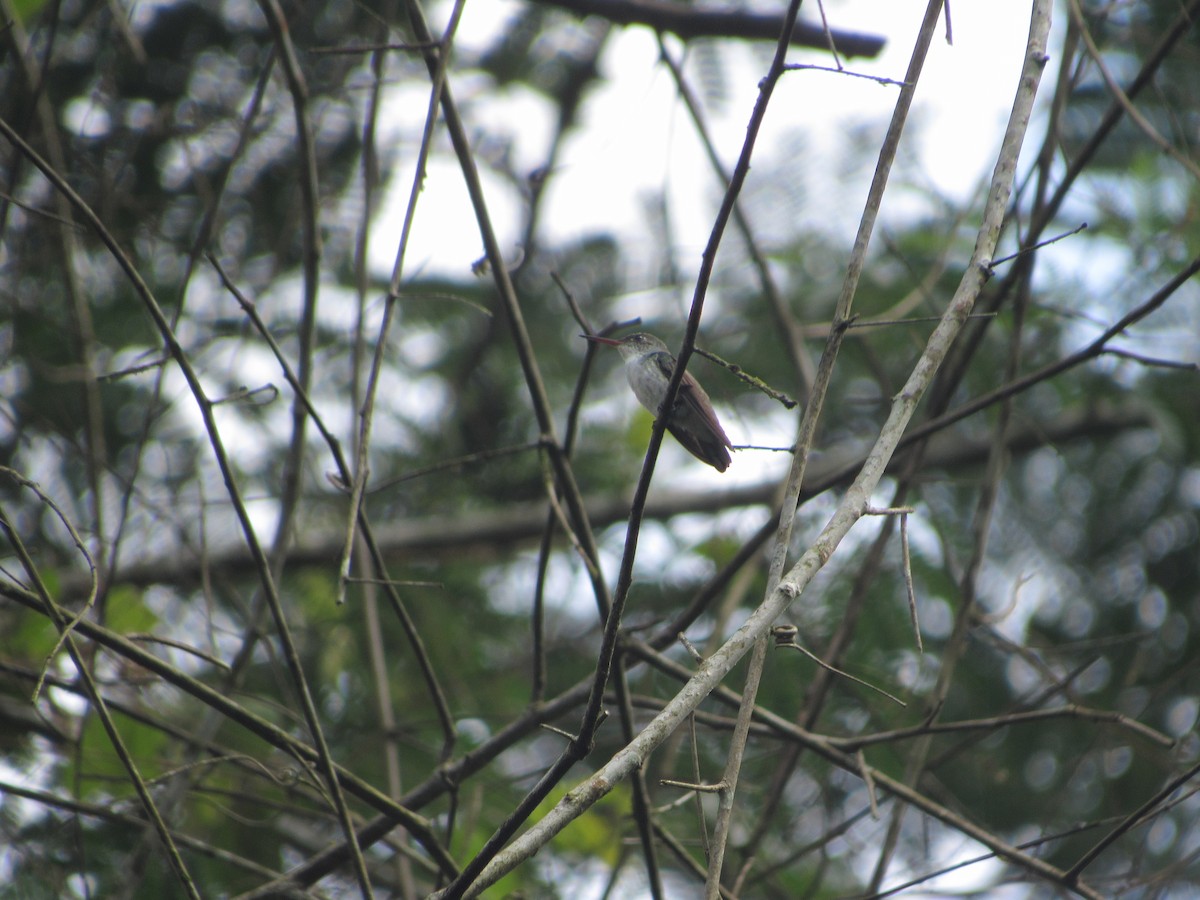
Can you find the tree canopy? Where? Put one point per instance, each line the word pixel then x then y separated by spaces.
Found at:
pixel 330 570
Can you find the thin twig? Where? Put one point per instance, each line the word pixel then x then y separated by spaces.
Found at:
pixel 67 628
pixel 909 589
pixel 841 674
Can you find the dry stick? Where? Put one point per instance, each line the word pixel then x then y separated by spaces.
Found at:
pixel 812 412
pixel 537 691
pixel 64 625
pixel 437 695
pixel 770 724
pixel 983 857
pixel 809 711
pixel 968 589
pixel 503 283
pixel 261 563
pixel 762 728
pixel 792 645
pixel 856 499
pixel 997 460
pixel 793 341
pixel 909 588
pixel 1058 685
pixel 366 414
pixel 356 512
pixel 570 97
pixel 921 292
pixel 695 747
pixel 458 462
pixel 243 656
pixel 376 653
pixel 1096 348
pixel 756 383
pixel 642 814
pixel 293 464
pixel 829 36
pixel 641 796
pixel 824 840
pixel 578 748
pixel 685 857
pixel 86 607
pixel 1153 362
pixel 294 459
pixel 375 49
pixel 878 79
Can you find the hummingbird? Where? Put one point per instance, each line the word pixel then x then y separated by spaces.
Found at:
pixel 648 367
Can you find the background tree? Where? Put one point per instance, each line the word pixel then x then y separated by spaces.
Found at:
pixel 324 579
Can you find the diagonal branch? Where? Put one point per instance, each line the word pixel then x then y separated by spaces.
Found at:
pixel 856 500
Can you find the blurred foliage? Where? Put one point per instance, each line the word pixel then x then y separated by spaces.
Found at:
pixel 176 125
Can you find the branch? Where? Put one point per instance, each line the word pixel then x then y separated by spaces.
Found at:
pixel 687 21
pixel 434 537
pixel 808 423
pixel 717 666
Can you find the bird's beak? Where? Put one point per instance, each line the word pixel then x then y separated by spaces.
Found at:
pixel 596 339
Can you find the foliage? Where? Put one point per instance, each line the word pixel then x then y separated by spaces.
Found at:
pixel 192 533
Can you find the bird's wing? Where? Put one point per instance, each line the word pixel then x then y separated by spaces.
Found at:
pixel 692 403
pixel 692 396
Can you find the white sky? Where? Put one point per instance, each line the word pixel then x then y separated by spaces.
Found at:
pixel 635 138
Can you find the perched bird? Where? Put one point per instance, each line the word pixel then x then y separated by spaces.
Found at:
pixel 649 366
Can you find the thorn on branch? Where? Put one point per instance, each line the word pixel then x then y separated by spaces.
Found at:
pixel 691 649
pixel 693 786
pixel 570 738
pixel 250 395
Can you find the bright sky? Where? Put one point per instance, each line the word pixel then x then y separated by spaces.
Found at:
pixel 636 139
